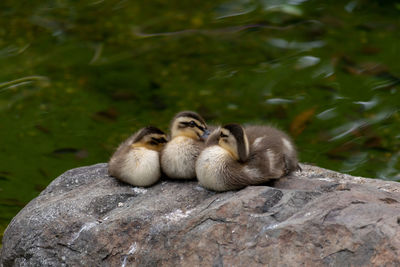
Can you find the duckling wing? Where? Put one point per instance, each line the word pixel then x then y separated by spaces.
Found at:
pixel 271 151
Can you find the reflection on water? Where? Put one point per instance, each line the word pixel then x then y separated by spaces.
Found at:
pixel 368 104
pixel 79 77
pixel 277 101
pixel 307 61
pixel 355 160
pixel 327 114
pixel 304 46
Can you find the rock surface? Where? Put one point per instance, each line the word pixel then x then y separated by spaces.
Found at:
pixel 314 218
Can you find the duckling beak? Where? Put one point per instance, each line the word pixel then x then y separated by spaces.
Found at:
pixel 205 134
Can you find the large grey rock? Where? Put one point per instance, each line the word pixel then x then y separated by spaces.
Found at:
pixel 317 218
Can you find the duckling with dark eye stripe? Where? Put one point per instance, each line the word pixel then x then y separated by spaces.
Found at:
pixel 136 161
pixel 188 132
pixel 236 157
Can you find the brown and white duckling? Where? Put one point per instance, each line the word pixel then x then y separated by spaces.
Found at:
pixel 178 158
pixel 136 161
pixel 277 144
pixel 236 157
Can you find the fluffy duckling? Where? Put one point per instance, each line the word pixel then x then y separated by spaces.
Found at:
pixel 188 132
pixel 236 157
pixel 136 161
pixel 277 144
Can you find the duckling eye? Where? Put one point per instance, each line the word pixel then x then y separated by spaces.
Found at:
pixel 162 140
pixel 192 124
pixel 222 135
pixel 153 143
pixel 157 141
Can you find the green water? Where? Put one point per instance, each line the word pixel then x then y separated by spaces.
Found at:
pixel 77 77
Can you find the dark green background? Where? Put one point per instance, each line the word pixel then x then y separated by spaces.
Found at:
pixel 77 77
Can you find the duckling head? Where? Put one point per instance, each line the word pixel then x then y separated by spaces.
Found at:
pixel 189 124
pixel 234 139
pixel 150 137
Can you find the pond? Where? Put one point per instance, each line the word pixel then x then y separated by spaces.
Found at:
pixel 77 77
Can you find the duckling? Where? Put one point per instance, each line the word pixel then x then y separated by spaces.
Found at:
pixel 136 161
pixel 236 157
pixel 188 132
pixel 280 145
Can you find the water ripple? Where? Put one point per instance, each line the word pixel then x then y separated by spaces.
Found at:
pixel 282 43
pixel 327 114
pixel 235 8
pixel 307 61
pixel 368 104
pixel 350 127
pixel 278 101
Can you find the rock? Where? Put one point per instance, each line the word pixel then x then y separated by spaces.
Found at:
pixel 316 218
